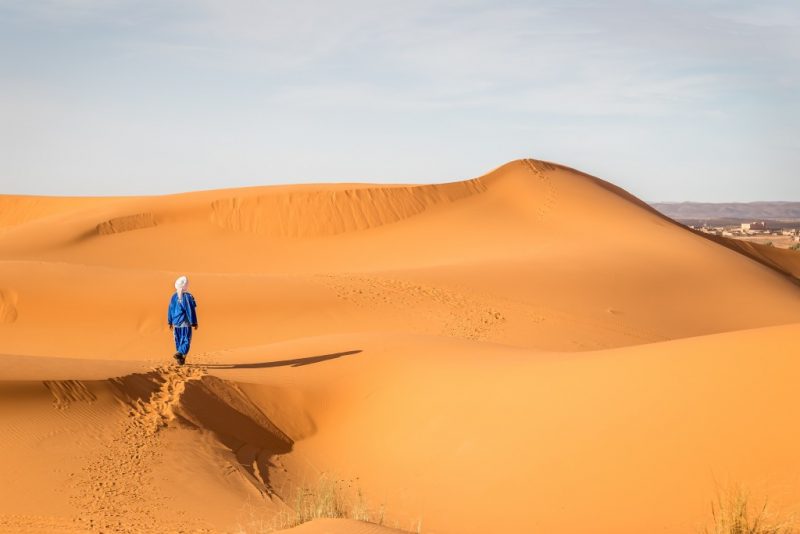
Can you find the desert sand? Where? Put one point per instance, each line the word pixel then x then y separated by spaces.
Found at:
pixel 533 350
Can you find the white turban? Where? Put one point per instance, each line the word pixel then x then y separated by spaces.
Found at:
pixel 180 284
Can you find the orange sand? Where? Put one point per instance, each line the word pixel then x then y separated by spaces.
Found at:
pixel 533 350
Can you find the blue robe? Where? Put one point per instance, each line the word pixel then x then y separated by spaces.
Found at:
pixel 182 316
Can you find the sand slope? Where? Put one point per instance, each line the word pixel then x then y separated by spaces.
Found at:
pixel 782 260
pixel 473 438
pixel 530 350
pixel 531 254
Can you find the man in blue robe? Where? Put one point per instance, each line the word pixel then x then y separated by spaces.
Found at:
pixel 182 317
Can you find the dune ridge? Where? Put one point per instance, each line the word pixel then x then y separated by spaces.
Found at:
pixel 320 213
pixel 133 418
pixel 17 209
pixel 784 261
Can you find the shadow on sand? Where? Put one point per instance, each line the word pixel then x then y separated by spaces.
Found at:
pixel 296 362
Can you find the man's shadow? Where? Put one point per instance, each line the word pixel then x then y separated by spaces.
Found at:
pixel 296 362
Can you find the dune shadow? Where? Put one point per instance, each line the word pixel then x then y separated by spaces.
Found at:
pixel 218 406
pixel 204 403
pixel 85 235
pixel 295 362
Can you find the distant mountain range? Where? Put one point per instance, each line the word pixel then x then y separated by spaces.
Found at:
pixel 776 211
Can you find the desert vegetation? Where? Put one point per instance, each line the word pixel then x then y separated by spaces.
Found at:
pixel 735 512
pixel 329 498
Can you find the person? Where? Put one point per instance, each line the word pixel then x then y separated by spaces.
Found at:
pixel 182 317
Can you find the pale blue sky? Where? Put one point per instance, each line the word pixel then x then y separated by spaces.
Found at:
pixel 673 100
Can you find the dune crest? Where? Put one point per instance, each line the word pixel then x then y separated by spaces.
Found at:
pixel 782 260
pixel 16 210
pixel 321 213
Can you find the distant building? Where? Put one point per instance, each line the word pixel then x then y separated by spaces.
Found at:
pixel 756 225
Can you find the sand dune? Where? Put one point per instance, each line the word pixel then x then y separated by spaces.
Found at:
pixel 544 257
pixel 530 350
pixel 474 438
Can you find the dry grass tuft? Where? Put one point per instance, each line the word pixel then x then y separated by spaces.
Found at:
pixel 325 500
pixel 734 513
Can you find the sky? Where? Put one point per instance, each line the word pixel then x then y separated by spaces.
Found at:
pixel 680 100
